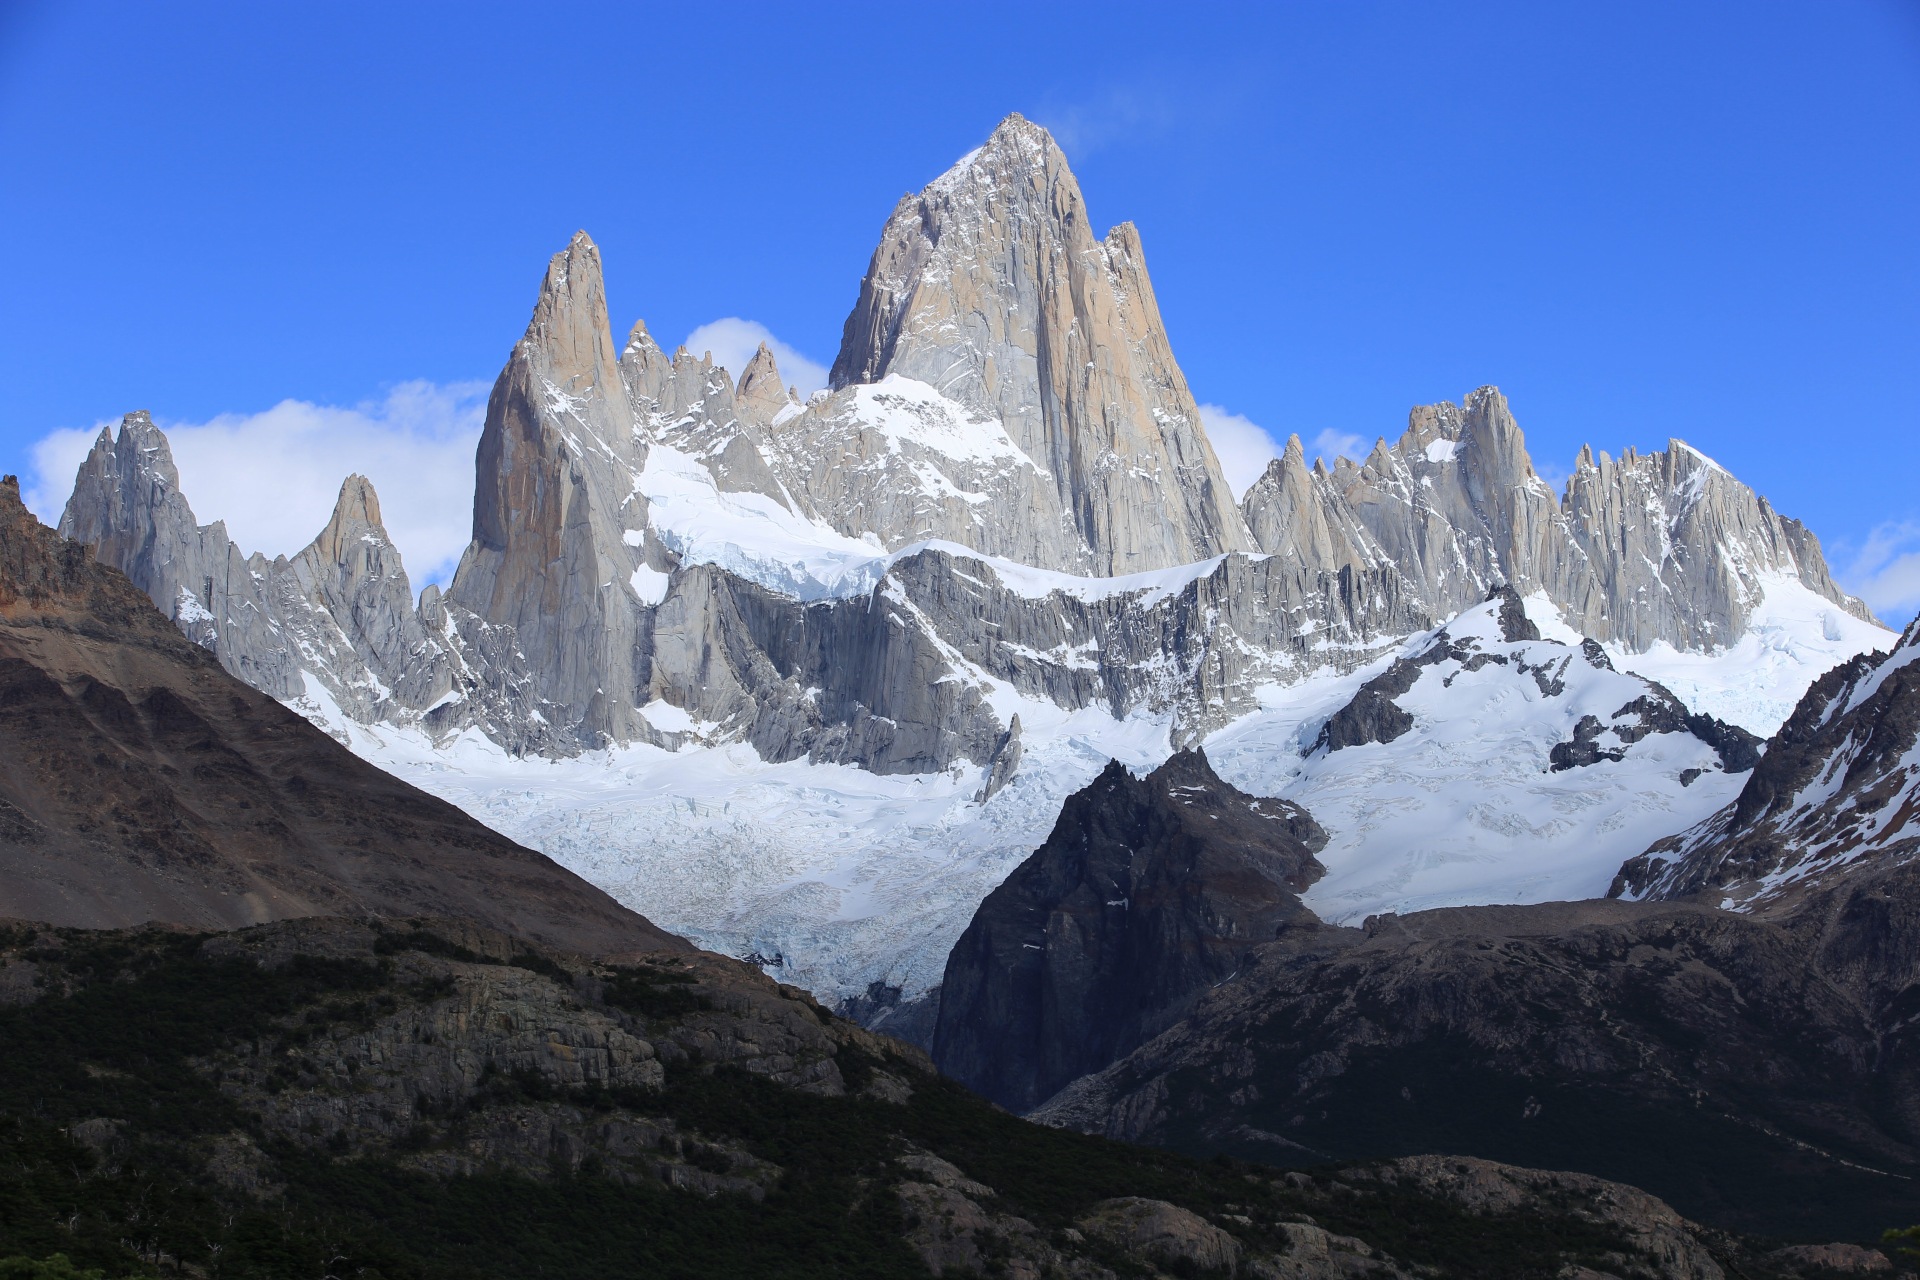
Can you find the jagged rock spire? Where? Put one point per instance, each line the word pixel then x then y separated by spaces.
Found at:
pixel 990 286
pixel 554 501
pixel 760 396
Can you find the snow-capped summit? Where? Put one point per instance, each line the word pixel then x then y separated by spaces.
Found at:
pixel 720 614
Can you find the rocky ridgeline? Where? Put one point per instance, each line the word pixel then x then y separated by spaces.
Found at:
pixel 1836 796
pixel 1667 546
pixel 1006 388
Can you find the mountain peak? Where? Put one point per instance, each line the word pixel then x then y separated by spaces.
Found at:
pixel 760 394
pixel 990 287
pixel 569 323
pixel 357 506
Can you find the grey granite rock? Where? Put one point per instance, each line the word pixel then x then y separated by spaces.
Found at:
pixel 990 287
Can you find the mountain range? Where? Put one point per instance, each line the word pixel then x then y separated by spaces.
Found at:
pixel 1400 806
pixel 996 552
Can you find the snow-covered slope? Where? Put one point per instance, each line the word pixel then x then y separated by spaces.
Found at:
pixel 1467 803
pixel 1838 792
pixel 835 877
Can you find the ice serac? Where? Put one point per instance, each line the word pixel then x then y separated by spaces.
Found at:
pixel 559 525
pixel 990 289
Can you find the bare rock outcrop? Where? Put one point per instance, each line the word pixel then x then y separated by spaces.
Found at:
pixel 1147 891
pixel 1836 796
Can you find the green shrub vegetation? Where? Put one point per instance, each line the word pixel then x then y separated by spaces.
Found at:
pixel 106 1125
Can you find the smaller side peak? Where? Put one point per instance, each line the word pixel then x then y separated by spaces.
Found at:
pixel 640 339
pixel 357 503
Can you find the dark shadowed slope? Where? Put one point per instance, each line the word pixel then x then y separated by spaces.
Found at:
pixel 1148 891
pixel 140 782
pixel 1758 1071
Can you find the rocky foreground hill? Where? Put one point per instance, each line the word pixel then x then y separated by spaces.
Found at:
pixel 1758 1068
pixel 421 1098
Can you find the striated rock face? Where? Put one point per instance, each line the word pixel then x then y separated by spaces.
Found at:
pixel 1148 891
pixel 1683 550
pixel 143 783
pixel 334 631
pixel 990 288
pixel 558 525
pixel 1666 547
pixel 1837 795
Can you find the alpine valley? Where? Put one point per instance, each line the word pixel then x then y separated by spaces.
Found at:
pixel 1379 811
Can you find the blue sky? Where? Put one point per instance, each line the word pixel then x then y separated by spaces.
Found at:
pixel 308 234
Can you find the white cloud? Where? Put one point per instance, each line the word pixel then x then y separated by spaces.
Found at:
pixel 1120 115
pixel 1242 445
pixel 1331 444
pixel 273 476
pixel 1886 571
pixel 733 342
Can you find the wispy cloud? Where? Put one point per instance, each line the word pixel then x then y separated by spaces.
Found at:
pixel 273 476
pixel 733 342
pixel 1331 444
pixel 1242 445
pixel 1085 126
pixel 1885 572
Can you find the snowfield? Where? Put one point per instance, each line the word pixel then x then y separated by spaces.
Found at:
pixel 834 877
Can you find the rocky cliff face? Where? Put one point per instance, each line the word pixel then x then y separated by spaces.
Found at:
pixel 1837 795
pixel 1148 891
pixel 990 289
pixel 1663 547
pixel 559 529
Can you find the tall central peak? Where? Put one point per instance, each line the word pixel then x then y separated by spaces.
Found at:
pixel 991 286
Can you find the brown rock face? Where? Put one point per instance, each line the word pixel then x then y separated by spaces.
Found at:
pixel 140 782
pixel 553 506
pixel 991 287
pixel 1148 891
